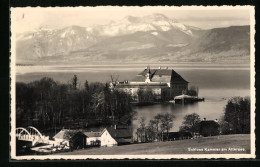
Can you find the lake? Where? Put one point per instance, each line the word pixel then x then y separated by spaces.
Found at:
pixel 217 83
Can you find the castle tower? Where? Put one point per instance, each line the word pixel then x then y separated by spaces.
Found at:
pixel 148 75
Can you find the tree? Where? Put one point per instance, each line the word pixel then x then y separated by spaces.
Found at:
pixel 146 95
pixel 191 123
pixel 157 121
pixel 166 123
pixel 22 102
pixel 74 82
pixel 140 94
pixel 141 130
pixel 96 87
pixel 237 114
pixel 225 127
pixel 193 91
pixel 86 85
pixel 49 105
pixel 151 131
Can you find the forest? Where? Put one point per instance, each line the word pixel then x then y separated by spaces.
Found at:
pixel 50 105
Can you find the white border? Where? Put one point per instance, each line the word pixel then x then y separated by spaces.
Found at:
pixel 166 156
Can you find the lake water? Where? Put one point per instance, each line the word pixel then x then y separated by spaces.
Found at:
pixel 216 82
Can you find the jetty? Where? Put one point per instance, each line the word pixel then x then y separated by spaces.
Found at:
pixel 186 99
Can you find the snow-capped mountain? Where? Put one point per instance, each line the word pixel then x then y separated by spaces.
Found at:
pixel 153 37
pixel 130 24
pixel 45 43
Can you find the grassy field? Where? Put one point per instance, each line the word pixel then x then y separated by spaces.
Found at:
pixel 226 144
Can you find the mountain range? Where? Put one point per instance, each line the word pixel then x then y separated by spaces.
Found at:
pixel 152 38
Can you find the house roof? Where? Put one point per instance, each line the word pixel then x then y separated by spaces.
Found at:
pixel 176 78
pixel 122 140
pixel 119 133
pixel 66 134
pixel 138 85
pixel 157 72
pixel 92 134
pixel 207 123
pixel 183 96
pixel 160 75
pixel 94 131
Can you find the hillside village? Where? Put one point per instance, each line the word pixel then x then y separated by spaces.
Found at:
pixel 104 137
pixel 70 140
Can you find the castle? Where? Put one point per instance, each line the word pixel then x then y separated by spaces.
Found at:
pixel 165 83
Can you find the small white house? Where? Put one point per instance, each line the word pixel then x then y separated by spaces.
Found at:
pixel 106 139
pixel 102 138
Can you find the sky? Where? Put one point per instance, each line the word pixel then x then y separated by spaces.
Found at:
pixel 30 19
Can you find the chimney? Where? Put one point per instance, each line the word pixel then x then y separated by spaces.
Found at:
pixel 204 119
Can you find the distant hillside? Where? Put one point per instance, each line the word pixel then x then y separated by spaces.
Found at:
pixel 222 44
pixel 153 38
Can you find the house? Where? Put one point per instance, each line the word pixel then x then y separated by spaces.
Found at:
pixel 93 138
pixel 184 99
pixel 107 140
pixel 165 83
pixel 109 136
pixel 72 138
pixel 121 136
pixel 209 128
